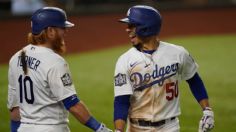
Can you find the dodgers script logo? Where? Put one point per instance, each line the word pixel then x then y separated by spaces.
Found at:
pixel 159 75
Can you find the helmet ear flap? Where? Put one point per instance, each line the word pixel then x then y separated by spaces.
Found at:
pixel 141 31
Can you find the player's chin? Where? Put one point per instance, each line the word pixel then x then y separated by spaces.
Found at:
pixel 134 40
pixel 135 43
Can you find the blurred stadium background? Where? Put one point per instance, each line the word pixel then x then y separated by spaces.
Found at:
pixel 97 19
pixel 107 6
pixel 207 28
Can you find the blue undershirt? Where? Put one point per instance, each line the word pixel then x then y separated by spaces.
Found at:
pixel 121 107
pixel 149 51
pixel 197 87
pixel 70 101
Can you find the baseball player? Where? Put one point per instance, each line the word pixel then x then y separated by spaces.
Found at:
pixel 40 85
pixel 147 77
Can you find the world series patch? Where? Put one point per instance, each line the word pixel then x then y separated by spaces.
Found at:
pixel 66 79
pixel 120 79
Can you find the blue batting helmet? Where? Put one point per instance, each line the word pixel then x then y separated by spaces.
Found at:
pixel 49 16
pixel 146 19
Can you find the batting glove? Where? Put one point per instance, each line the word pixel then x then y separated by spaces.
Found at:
pixel 103 128
pixel 207 121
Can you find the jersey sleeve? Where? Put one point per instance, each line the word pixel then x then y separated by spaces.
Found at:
pixel 12 97
pixel 122 84
pixel 60 81
pixel 188 66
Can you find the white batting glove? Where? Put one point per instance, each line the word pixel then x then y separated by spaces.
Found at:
pixel 207 121
pixel 103 128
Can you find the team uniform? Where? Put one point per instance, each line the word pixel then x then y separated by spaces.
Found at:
pixel 152 81
pixel 39 93
pixel 147 77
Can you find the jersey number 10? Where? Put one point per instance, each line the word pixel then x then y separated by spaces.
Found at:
pixel 26 89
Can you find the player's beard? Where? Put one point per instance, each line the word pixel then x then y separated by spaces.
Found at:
pixel 137 43
pixel 138 46
pixel 58 44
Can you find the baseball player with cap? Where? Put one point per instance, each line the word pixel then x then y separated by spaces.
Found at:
pixel 40 90
pixel 147 77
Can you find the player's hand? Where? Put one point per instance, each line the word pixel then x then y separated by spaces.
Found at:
pixel 103 128
pixel 207 121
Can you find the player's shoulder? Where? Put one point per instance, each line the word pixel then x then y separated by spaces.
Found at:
pixel 51 58
pixel 46 55
pixel 172 47
pixel 128 54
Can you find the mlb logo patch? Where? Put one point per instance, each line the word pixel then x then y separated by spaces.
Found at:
pixel 120 79
pixel 66 79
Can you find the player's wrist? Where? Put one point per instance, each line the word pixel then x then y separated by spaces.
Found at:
pixel 93 123
pixel 103 128
pixel 15 125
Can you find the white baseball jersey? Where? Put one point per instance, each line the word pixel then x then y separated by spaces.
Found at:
pixel 39 94
pixel 152 80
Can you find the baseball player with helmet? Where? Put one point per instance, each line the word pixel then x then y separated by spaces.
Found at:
pixel 40 90
pixel 147 77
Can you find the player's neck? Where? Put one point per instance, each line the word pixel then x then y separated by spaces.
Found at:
pixel 150 45
pixel 47 45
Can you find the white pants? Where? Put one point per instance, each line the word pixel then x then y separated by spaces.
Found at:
pixel 169 126
pixel 43 128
